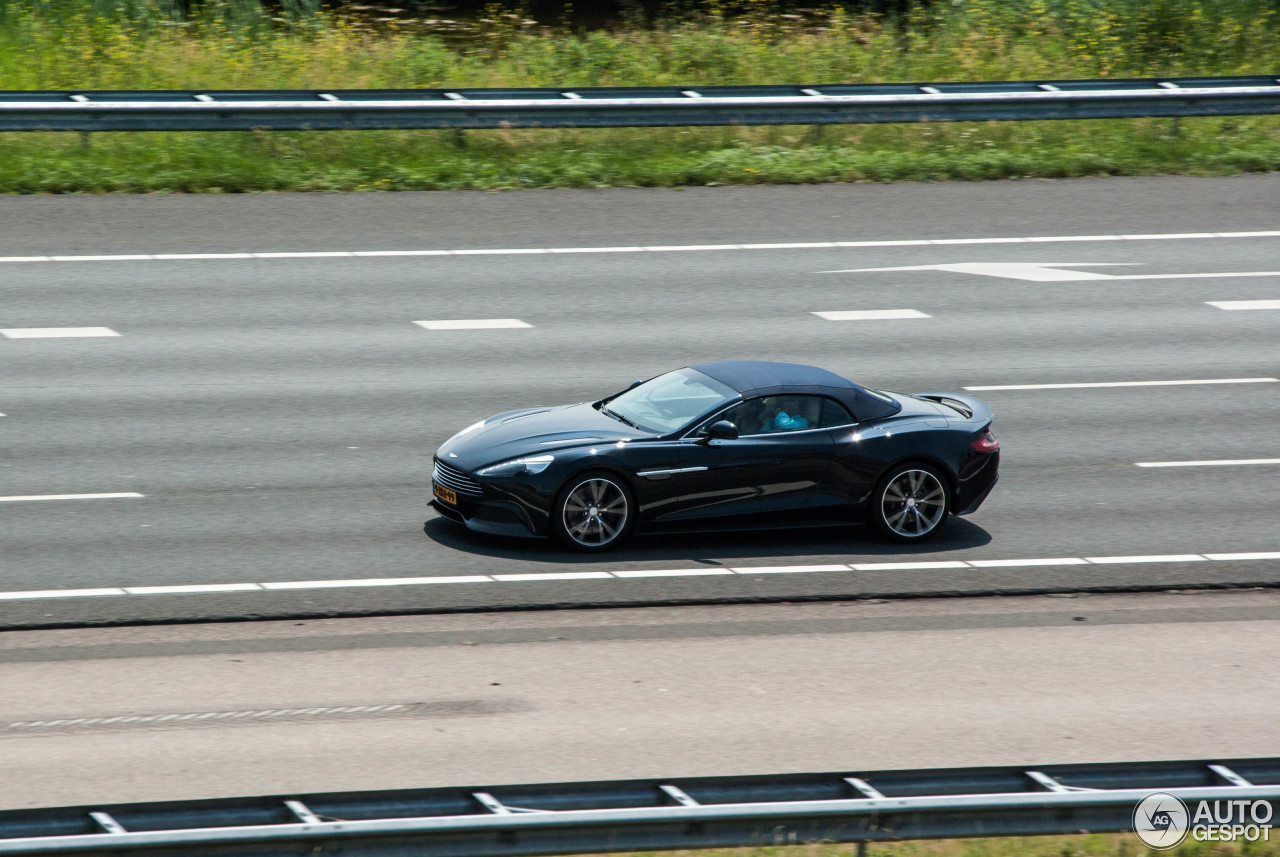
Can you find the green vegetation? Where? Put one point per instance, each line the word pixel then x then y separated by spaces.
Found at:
pixel 137 44
pixel 1088 845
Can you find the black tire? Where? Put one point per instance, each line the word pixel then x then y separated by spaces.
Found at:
pixel 911 503
pixel 593 512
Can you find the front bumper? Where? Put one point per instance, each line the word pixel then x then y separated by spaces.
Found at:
pixel 506 507
pixel 496 519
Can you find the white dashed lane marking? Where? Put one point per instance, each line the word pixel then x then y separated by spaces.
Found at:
pixel 1051 272
pixel 870 314
pixel 1100 384
pixel 1118 560
pixel 201 716
pixel 634 574
pixel 1224 462
pixel 672 572
pixel 55 332
pixel 908 566
pixel 1017 563
pixel 27 498
pixel 789 569
pixel 375 581
pixel 192 589
pixel 677 248
pixel 565 575
pixel 473 324
pixel 1244 305
pixel 61 593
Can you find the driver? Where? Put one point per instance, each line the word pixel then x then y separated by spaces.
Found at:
pixel 751 417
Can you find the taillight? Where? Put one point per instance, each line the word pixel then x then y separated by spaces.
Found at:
pixel 986 443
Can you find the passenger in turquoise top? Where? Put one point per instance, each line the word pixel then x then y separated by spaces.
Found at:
pixel 783 421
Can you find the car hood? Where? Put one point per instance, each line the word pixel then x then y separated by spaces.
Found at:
pixel 533 431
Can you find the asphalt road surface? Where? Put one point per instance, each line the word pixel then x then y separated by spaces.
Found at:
pixel 267 394
pixel 107 715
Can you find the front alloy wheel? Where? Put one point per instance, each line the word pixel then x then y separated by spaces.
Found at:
pixel 910 503
pixel 593 513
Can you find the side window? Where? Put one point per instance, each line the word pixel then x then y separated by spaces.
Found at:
pixel 834 414
pixel 776 414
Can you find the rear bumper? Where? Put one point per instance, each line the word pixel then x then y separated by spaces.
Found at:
pixel 976 479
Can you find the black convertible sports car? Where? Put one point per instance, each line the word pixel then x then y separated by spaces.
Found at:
pixel 739 444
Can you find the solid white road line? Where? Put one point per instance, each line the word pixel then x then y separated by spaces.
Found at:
pixel 200 589
pixel 1099 384
pixel 32 497
pixel 473 324
pixel 55 332
pixel 1244 305
pixel 870 314
pixel 807 245
pixel 1226 462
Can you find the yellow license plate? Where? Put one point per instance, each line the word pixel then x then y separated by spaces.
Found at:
pixel 446 495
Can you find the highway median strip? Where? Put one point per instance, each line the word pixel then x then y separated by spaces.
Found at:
pixel 638 574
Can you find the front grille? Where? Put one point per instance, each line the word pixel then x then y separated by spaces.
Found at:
pixel 452 477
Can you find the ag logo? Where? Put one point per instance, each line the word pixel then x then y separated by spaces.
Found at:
pixel 1161 821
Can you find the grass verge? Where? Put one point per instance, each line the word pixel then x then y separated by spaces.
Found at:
pixel 1086 845
pixel 979 39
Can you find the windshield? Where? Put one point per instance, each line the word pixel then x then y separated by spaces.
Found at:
pixel 669 402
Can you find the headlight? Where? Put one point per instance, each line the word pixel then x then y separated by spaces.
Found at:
pixel 518 466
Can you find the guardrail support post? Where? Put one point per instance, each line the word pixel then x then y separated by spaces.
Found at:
pixel 107 823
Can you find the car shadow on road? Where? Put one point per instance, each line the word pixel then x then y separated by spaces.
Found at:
pixel 714 548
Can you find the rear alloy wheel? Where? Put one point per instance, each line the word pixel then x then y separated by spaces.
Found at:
pixel 910 503
pixel 593 512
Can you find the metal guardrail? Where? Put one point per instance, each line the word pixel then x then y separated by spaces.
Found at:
pixel 282 110
pixel 642 815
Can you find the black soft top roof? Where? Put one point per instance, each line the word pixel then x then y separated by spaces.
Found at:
pixel 762 378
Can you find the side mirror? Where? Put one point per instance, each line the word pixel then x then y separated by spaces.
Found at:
pixel 635 384
pixel 721 430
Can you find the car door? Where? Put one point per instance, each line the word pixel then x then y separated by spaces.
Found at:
pixel 774 468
